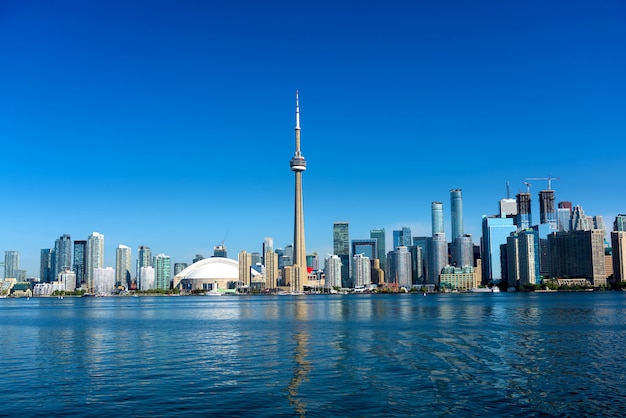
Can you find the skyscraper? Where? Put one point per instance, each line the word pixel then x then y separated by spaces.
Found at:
pixel 436 257
pixel 95 257
pixel 144 259
pixel 162 271
pixel 11 264
pixel 45 265
pixel 268 245
pixel 400 271
pixel 62 254
pixel 341 248
pixel 456 213
pixel 580 221
pixel 547 212
pixel 379 236
pixel 122 266
pixel 618 242
pixel 437 217
pixel 332 271
pixel 495 233
pixel 524 216
pixel 80 262
pixel 298 165
pixel 367 247
pixel 220 251
pixel 361 270
pixel 402 237
pixel 620 223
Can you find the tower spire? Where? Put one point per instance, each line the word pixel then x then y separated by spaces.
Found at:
pixel 298 165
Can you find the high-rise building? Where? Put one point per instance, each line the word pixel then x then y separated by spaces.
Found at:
pixel 146 278
pixel 579 253
pixel 341 248
pixel 95 257
pixel 361 270
pixel 400 271
pixel 68 278
pixel 197 258
pixel 123 262
pixel 80 262
pixel 580 221
pixel 456 213
pixel 402 237
pixel 104 280
pixel 312 262
pixel 620 223
pixel 268 245
pixel 367 247
pixel 524 215
pixel 332 271
pixel 507 208
pixel 11 264
pixel 436 257
pixel 271 269
pixel 618 243
pixel 46 265
pixel 379 236
pixel 437 218
pixel 162 271
pixel 144 259
pixel 547 212
pixel 62 254
pixel 220 251
pixel 522 251
pixel 178 267
pixel 463 254
pixel 298 166
pixel 495 233
pixel 417 264
pixel 245 268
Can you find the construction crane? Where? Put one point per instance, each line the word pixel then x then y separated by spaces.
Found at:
pixel 545 178
pixel 527 186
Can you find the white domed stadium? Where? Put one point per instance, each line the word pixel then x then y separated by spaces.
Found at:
pixel 209 274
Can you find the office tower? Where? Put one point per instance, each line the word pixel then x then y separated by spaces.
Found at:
pixel 11 264
pixel 379 236
pixel 547 212
pixel 377 274
pixel 123 262
pixel 288 255
pixel 598 223
pixel 197 258
pixel 402 238
pixel 579 253
pixel 271 269
pixel 580 221
pixel 332 271
pixel 256 258
pixel 618 244
pixel 526 259
pixel 367 247
pixel 220 251
pixel 436 257
pixel 495 233
pixel 463 251
pixel 620 223
pixel 245 268
pixel 437 217
pixel 144 259
pixel 298 165
pixel 80 262
pixel 341 248
pixel 68 278
pixel 46 265
pixel 268 245
pixel 95 257
pixel 361 270
pixel 104 280
pixel 178 267
pixel 417 264
pixel 524 215
pixel 62 254
pixel 456 213
pixel 146 278
pixel 564 216
pixel 162 271
pixel 507 207
pixel 422 242
pixel 400 271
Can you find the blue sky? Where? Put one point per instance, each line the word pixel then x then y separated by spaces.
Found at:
pixel 170 123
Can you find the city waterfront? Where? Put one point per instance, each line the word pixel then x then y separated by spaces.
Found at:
pixel 492 354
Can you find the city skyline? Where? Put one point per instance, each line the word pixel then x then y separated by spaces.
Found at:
pixel 169 126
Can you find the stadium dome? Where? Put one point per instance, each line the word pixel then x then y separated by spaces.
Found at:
pixel 209 274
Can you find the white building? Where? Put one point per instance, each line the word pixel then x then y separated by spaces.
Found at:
pixel 104 280
pixel 361 270
pixel 332 271
pixel 146 278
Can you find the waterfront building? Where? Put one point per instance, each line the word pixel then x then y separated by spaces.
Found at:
pixel 333 271
pixel 528 260
pixel 419 267
pixel 244 260
pixel 46 265
pixel 68 278
pixel 256 258
pixel 618 243
pixel 381 251
pixel 400 272
pixel 123 263
pixel 268 245
pixel 463 251
pixel 271 269
pixel 524 216
pixel 95 257
pixel 436 257
pixel 459 278
pixel 579 253
pixel 162 271
pixel 341 248
pixel 146 278
pixel 547 212
pixel 288 255
pixel 104 280
pixel 367 247
pixel 144 259
pixel 437 217
pixel 298 166
pixel 11 264
pixel 620 223
pixel 361 270
pixel 62 254
pixel 80 262
pixel 495 233
pixel 220 251
pixel 402 237
pixel 417 264
pixel 456 213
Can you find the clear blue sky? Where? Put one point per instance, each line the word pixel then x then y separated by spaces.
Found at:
pixel 170 123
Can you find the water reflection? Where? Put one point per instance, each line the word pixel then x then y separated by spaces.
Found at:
pixel 302 366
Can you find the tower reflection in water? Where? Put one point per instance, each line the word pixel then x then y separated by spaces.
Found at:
pixel 302 366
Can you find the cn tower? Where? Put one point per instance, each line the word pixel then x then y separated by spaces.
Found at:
pixel 298 165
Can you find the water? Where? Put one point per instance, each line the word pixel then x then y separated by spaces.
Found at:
pixel 557 354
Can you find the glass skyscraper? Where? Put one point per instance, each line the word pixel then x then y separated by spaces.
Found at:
pixel 547 211
pixel 95 257
pixel 456 213
pixel 437 218
pixel 62 254
pixel 11 264
pixel 80 262
pixel 123 263
pixel 46 265
pixel 524 216
pixel 379 236
pixel 402 237
pixel 495 233
pixel 162 271
pixel 341 248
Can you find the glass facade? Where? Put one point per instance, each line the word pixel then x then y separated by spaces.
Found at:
pixel 495 233
pixel 379 236
pixel 437 217
pixel 456 213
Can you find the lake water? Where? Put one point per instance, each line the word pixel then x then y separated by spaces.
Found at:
pixel 523 354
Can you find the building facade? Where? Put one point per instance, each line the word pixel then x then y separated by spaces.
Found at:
pixel 341 248
pixel 95 257
pixel 123 262
pixel 456 213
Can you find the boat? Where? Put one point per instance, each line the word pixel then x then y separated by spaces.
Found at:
pixel 494 289
pixel 213 293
